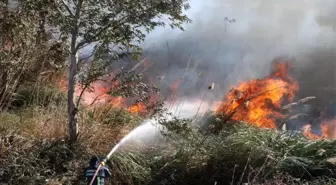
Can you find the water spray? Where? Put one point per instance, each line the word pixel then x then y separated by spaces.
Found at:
pixel 102 163
pixel 143 126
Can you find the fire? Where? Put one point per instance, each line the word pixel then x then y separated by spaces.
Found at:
pixel 98 94
pixel 258 101
pixel 137 108
pixel 307 131
pixel 116 101
pixel 175 85
pixel 328 129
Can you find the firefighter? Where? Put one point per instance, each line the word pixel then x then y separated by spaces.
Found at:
pixel 102 175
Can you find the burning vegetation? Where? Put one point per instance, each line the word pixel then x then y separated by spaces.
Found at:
pixel 250 105
pixel 101 93
pixel 259 102
pixel 328 130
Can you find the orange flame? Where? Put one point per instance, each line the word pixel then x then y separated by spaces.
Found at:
pixel 307 132
pixel 98 94
pixel 328 129
pixel 175 85
pixel 116 101
pixel 258 102
pixel 137 108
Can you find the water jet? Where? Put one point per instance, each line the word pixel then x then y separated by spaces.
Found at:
pixel 143 132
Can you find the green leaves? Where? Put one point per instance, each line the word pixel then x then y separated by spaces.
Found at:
pixel 114 26
pixel 117 22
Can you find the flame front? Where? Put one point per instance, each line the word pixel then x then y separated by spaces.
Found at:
pixel 307 131
pixel 328 130
pixel 137 108
pixel 98 94
pixel 258 102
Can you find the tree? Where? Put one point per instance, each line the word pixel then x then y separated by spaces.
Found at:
pixel 24 51
pixel 113 26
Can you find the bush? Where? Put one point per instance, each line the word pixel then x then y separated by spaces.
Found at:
pixel 38 95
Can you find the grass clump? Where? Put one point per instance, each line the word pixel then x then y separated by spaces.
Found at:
pixel 239 154
pixel 38 95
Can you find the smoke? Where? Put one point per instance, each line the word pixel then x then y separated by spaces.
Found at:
pixel 227 52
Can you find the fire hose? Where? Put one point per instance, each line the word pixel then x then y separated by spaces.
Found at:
pixel 101 164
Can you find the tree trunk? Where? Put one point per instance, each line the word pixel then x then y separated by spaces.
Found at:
pixel 72 110
pixel 73 59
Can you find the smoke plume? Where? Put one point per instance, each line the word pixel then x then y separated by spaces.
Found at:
pixel 235 40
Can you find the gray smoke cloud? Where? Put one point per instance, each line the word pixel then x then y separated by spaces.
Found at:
pixel 217 50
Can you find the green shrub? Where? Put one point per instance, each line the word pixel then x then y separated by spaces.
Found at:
pixel 38 95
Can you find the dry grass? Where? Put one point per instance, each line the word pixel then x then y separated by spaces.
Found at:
pixel 102 127
pixel 33 142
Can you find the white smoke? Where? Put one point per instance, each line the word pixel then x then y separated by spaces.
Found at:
pixel 263 30
pixel 226 53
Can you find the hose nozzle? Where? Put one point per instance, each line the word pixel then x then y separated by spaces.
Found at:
pixel 103 162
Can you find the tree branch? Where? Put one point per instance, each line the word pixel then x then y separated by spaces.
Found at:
pixel 122 21
pixel 85 41
pixel 67 8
